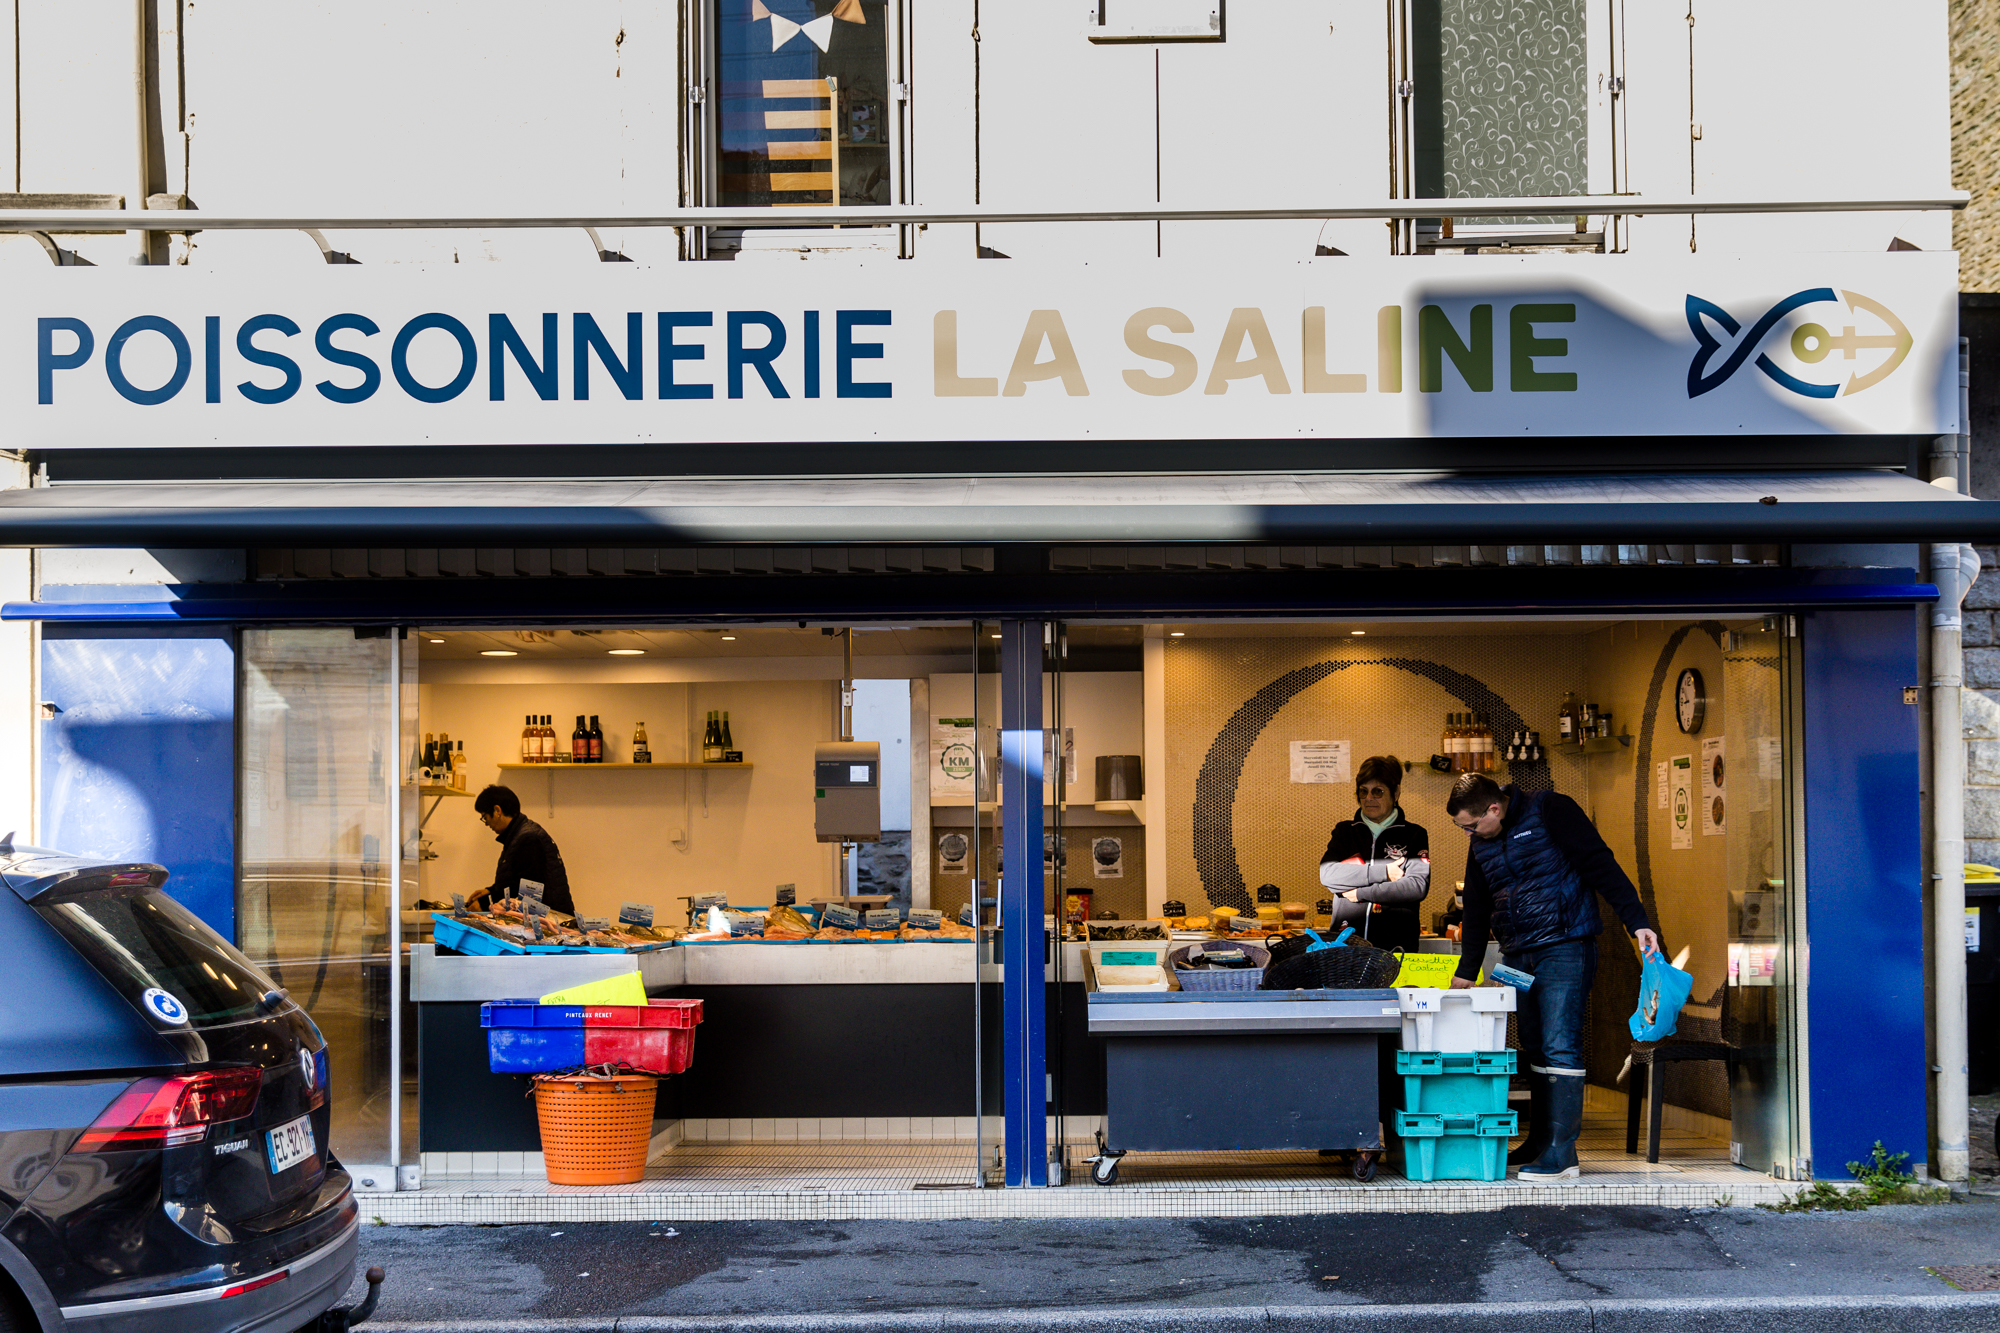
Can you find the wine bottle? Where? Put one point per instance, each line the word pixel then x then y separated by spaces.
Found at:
pixel 641 752
pixel 579 743
pixel 1569 719
pixel 728 741
pixel 711 740
pixel 427 766
pixel 531 746
pixel 458 767
pixel 548 738
pixel 594 740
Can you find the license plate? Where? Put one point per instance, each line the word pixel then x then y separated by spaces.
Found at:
pixel 290 1144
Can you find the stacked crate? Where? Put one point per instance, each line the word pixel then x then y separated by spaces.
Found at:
pixel 528 1037
pixel 1454 1065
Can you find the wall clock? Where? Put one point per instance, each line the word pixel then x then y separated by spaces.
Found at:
pixel 1690 701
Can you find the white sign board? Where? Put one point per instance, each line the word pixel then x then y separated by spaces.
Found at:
pixel 712 353
pixel 953 758
pixel 1714 788
pixel 1682 811
pixel 1320 761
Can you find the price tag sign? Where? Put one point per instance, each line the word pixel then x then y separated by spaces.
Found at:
pixel 786 896
pixel 1172 907
pixel 1269 893
pixel 843 918
pixel 531 889
pixel 882 919
pixel 965 915
pixel 1324 907
pixel 593 923
pixel 636 914
pixel 1427 969
pixel 535 907
pixel 458 904
pixel 535 923
pixel 924 918
pixel 705 901
pixel 745 923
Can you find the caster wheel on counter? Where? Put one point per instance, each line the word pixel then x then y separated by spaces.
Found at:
pixel 1105 1171
pixel 1365 1164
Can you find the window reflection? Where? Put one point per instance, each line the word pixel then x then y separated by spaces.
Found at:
pixel 803 111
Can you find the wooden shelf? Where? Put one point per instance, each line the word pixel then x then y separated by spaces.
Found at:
pixel 1593 745
pixel 433 789
pixel 560 768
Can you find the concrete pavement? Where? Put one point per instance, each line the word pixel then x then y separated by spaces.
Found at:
pixel 1597 1269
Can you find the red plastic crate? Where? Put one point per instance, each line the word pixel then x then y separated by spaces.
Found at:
pixel 652 1014
pixel 662 1050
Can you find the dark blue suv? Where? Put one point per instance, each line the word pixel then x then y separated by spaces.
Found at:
pixel 163 1118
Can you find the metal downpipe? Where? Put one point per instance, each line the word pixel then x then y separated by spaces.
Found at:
pixel 1953 568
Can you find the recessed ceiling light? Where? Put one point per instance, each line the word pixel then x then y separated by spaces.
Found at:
pixel 996 636
pixel 626 652
pixel 1177 634
pixel 498 652
pixel 1358 631
pixel 729 638
pixel 437 640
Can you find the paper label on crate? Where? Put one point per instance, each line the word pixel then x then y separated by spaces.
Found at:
pixel 1427 970
pixel 1173 907
pixel 636 914
pixel 844 918
pixel 925 918
pixel 532 888
pixel 1129 958
pixel 881 919
pixel 593 923
pixel 785 896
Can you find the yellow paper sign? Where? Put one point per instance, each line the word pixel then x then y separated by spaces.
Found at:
pixel 1427 969
pixel 625 988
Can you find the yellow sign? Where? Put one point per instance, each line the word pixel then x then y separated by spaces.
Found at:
pixel 625 988
pixel 1427 969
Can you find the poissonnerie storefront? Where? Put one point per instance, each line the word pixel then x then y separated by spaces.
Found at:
pixel 1206 519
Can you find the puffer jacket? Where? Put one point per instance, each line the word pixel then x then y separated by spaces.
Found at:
pixel 1533 885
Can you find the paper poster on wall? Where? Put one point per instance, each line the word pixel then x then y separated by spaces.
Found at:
pixel 1770 758
pixel 1682 807
pixel 953 849
pixel 1713 805
pixel 1320 761
pixel 952 762
pixel 1107 857
pixel 1662 786
pixel 1049 757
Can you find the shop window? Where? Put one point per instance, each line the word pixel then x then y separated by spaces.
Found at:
pixel 798 109
pixel 1506 100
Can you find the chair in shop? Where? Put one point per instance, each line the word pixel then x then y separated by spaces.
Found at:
pixel 1646 1081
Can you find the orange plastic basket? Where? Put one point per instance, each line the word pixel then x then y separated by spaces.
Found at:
pixel 595 1131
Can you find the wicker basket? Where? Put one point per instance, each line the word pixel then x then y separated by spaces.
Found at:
pixel 1220 978
pixel 595 1131
pixel 1350 967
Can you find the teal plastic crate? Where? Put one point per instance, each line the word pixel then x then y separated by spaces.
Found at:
pixel 1437 1146
pixel 1456 1082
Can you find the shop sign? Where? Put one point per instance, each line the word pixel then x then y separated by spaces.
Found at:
pixel 908 350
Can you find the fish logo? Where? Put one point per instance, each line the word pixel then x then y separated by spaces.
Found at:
pixel 1810 344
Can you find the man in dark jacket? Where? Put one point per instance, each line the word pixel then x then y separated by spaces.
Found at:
pixel 1533 874
pixel 526 851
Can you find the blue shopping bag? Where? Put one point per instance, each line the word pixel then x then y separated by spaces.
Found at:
pixel 1663 989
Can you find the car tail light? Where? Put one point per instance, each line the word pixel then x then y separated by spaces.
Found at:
pixel 267 1280
pixel 164 1112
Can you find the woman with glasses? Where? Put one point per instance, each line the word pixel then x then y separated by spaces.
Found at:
pixel 1380 858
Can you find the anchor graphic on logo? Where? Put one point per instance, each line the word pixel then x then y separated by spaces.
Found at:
pixel 1810 343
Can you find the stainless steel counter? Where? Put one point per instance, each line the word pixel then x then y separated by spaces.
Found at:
pixel 460 978
pixel 1150 1013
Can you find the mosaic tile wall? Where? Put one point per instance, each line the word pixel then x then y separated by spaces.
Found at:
pixel 1236 820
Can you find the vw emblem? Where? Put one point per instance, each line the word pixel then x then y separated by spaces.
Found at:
pixel 164 1007
pixel 306 1067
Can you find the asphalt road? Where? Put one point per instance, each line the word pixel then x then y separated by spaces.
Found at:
pixel 1524 1254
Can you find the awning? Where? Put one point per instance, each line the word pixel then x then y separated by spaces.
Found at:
pixel 1348 508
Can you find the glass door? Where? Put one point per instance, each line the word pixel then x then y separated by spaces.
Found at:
pixel 989 1049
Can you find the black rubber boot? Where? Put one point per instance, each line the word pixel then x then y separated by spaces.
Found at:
pixel 1537 1141
pixel 1559 1162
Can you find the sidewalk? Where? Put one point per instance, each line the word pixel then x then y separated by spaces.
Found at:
pixel 1561 1269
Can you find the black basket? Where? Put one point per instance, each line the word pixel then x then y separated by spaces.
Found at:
pixel 1351 967
pixel 1291 946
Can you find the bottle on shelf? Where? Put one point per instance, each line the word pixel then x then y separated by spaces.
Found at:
pixel 1482 744
pixel 711 740
pixel 531 740
pixel 427 765
pixel 441 773
pixel 548 738
pixel 1569 719
pixel 579 743
pixel 458 767
pixel 594 741
pixel 642 753
pixel 1605 731
pixel 728 741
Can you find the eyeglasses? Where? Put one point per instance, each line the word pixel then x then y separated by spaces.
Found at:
pixel 1373 791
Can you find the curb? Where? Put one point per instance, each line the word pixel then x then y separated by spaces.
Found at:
pixel 1970 1312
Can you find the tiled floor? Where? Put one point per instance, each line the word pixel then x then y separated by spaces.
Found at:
pixel 934 1180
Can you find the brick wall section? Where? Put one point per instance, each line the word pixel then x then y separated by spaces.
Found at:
pixel 1980 710
pixel 1975 140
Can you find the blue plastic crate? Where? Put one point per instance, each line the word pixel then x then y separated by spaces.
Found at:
pixel 1455 1082
pixel 533 1050
pixel 457 935
pixel 1440 1146
pixel 529 1014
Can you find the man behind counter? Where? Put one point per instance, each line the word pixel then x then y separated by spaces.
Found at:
pixel 526 851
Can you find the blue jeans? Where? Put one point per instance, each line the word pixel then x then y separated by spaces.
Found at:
pixel 1550 1013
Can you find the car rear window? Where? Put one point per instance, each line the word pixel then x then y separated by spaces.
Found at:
pixel 145 939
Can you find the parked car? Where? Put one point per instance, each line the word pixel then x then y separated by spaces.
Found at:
pixel 163 1118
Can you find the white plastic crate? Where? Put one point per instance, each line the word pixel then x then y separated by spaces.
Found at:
pixel 1455 1020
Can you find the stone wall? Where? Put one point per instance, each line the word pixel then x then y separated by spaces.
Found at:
pixel 1975 140
pixel 1980 710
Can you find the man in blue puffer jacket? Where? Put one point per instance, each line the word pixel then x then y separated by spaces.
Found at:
pixel 1533 874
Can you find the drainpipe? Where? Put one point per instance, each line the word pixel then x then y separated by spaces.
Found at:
pixel 1953 568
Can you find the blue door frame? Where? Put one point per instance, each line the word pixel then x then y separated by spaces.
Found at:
pixel 1023 947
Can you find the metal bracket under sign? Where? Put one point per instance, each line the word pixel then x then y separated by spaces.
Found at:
pixel 1154 21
